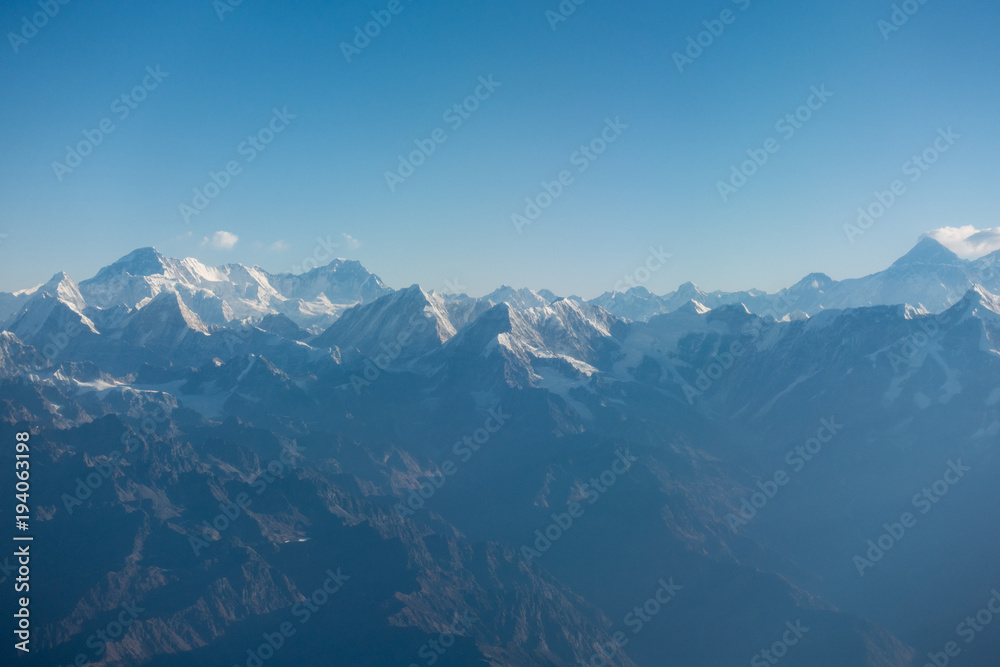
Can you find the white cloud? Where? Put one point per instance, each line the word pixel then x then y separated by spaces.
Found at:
pixel 352 243
pixel 221 240
pixel 279 246
pixel 967 242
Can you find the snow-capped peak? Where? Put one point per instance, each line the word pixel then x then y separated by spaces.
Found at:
pixel 693 306
pixel 168 309
pixel 978 302
pixel 928 251
pixel 519 298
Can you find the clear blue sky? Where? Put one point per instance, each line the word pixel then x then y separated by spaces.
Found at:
pixel 323 175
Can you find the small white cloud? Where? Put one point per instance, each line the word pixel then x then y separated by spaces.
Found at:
pixel 279 246
pixel 967 241
pixel 352 243
pixel 221 240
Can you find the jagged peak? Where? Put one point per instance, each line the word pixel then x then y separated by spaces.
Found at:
pixel 498 312
pixel 58 278
pixel 60 286
pixel 913 312
pixel 547 294
pixel 977 298
pixel 738 309
pixel 412 293
pixel 517 296
pixel 168 303
pixel 45 305
pixel 694 307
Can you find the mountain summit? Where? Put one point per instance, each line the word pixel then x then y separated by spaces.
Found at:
pixel 929 251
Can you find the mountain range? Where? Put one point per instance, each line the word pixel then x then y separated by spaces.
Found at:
pixel 515 479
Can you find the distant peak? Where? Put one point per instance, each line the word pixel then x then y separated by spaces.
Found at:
pixel 504 290
pixel 141 262
pixel 521 297
pixel 928 251
pixel 142 254
pixel 693 306
pixel 547 294
pixel 338 262
pixel 816 281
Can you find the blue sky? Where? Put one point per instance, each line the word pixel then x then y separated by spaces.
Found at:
pixel 323 175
